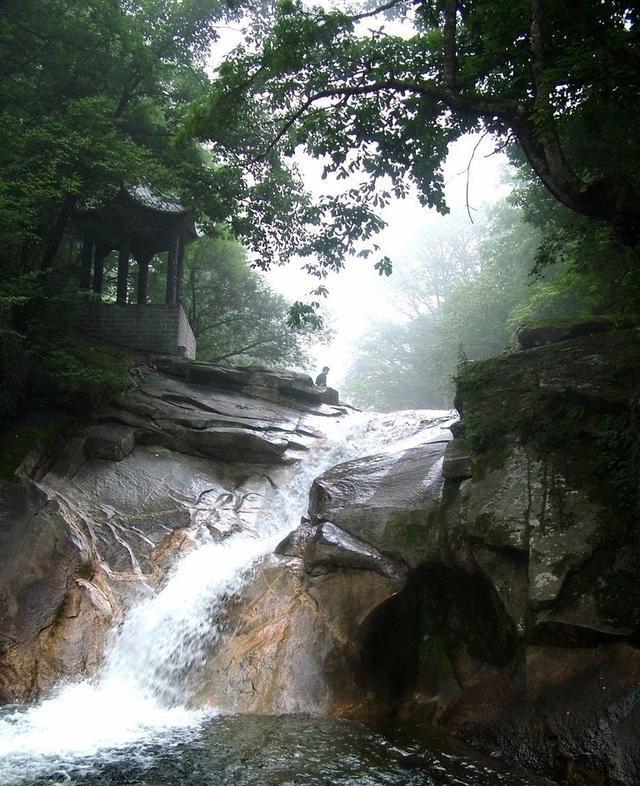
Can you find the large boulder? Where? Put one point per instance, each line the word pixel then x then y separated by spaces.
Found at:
pixel 109 441
pixel 277 385
pixel 552 331
pixel 47 569
pixel 487 588
pixel 387 501
pixel 307 633
pixel 95 525
pixel 547 521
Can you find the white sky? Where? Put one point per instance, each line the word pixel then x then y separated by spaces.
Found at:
pixel 358 295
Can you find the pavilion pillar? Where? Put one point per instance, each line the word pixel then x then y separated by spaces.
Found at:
pixel 172 260
pixel 123 272
pixel 180 270
pixel 143 276
pixel 86 263
pixel 101 251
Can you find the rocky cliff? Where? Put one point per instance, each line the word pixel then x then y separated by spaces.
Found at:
pixel 541 511
pixel 193 452
pixel 498 600
pixel 486 585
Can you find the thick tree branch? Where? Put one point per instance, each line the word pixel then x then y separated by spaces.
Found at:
pixel 379 10
pixel 540 143
pixel 531 119
pixel 449 53
pixel 200 331
pixel 246 347
pixel 477 104
pixel 537 51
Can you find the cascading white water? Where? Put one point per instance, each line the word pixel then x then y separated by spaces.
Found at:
pixel 142 690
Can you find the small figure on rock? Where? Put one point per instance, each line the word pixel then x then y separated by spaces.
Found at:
pixel 321 379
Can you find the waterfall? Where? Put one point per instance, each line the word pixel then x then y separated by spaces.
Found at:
pixel 142 690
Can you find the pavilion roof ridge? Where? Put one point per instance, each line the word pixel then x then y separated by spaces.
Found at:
pixel 150 198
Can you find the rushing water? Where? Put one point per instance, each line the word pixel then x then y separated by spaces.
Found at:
pixel 131 724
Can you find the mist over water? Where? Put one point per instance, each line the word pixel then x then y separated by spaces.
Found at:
pixel 141 695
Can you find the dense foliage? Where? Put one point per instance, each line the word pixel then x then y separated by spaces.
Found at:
pixel 93 96
pixel 235 316
pixel 43 362
pixel 97 95
pixel 549 80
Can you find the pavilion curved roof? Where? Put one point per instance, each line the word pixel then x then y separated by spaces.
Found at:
pixel 154 200
pixel 146 219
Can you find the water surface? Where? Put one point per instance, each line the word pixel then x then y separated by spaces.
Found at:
pixel 268 751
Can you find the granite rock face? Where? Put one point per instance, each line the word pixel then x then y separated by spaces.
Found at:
pixel 543 524
pixel 190 454
pixel 305 634
pixel 488 588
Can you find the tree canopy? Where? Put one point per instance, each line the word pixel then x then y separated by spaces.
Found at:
pixel 92 98
pixel 235 316
pixel 99 95
pixel 484 290
pixel 383 91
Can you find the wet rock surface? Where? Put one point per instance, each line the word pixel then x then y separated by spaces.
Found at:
pixel 186 456
pixel 499 603
pixel 546 523
pixel 303 635
pixel 487 587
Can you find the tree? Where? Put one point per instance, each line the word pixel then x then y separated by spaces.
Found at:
pixel 92 97
pixel 444 251
pixel 235 316
pixel 545 77
pixel 411 363
pixel 398 365
pixel 93 94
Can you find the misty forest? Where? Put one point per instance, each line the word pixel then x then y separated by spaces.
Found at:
pixel 319 392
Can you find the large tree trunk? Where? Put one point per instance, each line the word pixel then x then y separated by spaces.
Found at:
pixel 57 230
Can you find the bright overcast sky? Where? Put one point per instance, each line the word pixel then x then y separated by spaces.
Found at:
pixel 358 295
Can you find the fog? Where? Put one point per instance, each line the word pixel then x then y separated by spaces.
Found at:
pixel 358 295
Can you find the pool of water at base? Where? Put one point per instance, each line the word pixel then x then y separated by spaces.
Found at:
pixel 272 751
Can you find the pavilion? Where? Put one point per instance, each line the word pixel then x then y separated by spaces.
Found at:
pixel 138 223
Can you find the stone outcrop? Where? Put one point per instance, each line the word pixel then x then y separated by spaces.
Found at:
pixel 552 331
pixel 194 452
pixel 304 635
pixel 488 588
pixel 546 518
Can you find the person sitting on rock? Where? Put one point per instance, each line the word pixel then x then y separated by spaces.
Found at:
pixel 321 379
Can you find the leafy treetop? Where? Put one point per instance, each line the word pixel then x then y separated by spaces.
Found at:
pixel 381 92
pixel 92 97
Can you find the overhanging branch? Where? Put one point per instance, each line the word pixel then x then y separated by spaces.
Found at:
pixel 379 10
pixel 474 103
